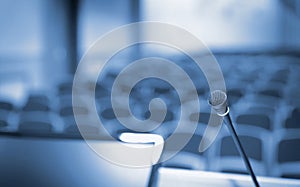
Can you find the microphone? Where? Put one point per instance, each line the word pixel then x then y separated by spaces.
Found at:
pixel 218 101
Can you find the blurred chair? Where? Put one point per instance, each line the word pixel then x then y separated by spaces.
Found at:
pixel 87 129
pixel 189 156
pixel 202 92
pixel 293 121
pixel 255 115
pixel 6 105
pixel 162 90
pixel 36 122
pixel 170 116
pixel 36 107
pixel 101 91
pixel 38 98
pixel 35 127
pixel 265 93
pixel 287 154
pixel 272 92
pixel 7 116
pixel 167 126
pixel 38 102
pixel 258 120
pixel 108 114
pixel 68 111
pixel 281 76
pixel 4 114
pixel 255 144
pixel 265 100
pixel 234 95
pixel 203 117
pixel 3 123
pixel 110 121
pixel 65 88
pixel 85 120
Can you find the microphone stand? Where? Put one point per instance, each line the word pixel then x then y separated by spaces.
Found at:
pixel 239 146
pixel 218 101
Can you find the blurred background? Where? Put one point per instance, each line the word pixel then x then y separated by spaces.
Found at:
pixel 257 45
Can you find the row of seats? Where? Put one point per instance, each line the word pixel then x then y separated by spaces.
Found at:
pixel 265 107
pixel 259 116
pixel 254 128
pixel 262 98
pixel 269 156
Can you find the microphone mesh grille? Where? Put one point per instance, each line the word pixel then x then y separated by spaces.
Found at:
pixel 218 101
pixel 217 98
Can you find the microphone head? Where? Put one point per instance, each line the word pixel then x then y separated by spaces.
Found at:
pixel 218 101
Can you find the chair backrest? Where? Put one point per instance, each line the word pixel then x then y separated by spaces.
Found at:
pixel 252 145
pixel 255 143
pixel 35 116
pixel 43 99
pixel 189 157
pixel 289 150
pixel 87 130
pixel 37 102
pixel 294 120
pixel 36 107
pixel 5 105
pixel 69 111
pixel 202 117
pixel 35 126
pixel 4 114
pixel 65 88
pixel 259 120
pixel 234 95
pixel 286 159
pixel 271 92
pixel 169 115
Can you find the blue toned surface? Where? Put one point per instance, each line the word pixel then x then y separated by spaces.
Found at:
pixel 59 163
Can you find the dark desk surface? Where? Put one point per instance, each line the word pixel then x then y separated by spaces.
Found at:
pixel 31 162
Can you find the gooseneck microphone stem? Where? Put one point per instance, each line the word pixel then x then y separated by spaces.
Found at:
pixel 218 101
pixel 239 146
